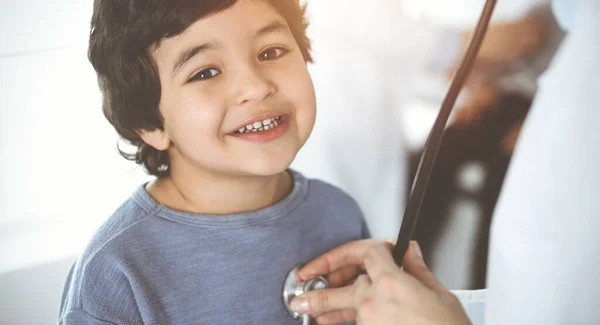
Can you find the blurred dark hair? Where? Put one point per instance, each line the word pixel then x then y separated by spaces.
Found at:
pixel 122 33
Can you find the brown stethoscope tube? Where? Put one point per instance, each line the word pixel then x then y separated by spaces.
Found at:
pixel 432 146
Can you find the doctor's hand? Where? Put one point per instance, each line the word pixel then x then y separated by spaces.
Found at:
pixel 387 295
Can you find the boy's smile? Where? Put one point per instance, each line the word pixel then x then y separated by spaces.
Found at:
pixel 236 95
pixel 263 130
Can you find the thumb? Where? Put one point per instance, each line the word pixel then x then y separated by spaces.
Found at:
pixel 324 300
pixel 414 265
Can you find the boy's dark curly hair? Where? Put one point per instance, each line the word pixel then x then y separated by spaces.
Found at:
pixel 122 35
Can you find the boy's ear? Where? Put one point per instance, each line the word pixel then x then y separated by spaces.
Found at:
pixel 157 138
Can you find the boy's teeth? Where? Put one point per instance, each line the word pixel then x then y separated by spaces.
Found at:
pixel 265 125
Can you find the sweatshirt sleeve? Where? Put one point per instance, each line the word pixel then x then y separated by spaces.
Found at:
pixel 99 293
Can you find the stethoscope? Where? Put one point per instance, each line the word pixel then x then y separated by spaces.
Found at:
pixel 293 285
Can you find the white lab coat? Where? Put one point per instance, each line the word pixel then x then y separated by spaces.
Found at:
pixel 544 253
pixel 544 256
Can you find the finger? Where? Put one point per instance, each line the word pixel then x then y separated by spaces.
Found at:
pixel 348 254
pixel 323 301
pixel 361 289
pixel 414 265
pixel 337 317
pixel 509 141
pixel 392 241
pixel 378 260
pixel 343 276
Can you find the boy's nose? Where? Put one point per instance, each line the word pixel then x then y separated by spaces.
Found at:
pixel 253 87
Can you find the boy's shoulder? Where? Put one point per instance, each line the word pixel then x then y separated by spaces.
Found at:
pixel 321 190
pixel 119 229
pixel 331 198
pixel 334 207
pixel 131 212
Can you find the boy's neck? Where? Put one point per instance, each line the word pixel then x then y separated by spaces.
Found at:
pixel 220 194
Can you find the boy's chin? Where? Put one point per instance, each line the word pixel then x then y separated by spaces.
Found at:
pixel 269 167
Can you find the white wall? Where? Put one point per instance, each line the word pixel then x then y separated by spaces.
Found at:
pixel 32 296
pixel 60 172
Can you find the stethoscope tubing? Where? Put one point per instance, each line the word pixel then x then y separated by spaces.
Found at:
pixel 432 146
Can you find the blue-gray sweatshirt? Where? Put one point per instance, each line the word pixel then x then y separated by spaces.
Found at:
pixel 149 264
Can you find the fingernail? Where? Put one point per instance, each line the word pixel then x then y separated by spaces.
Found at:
pixel 300 305
pixel 417 249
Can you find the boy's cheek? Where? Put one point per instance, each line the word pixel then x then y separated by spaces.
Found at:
pixel 305 118
pixel 300 85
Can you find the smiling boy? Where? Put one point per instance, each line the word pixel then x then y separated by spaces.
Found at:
pixel 217 99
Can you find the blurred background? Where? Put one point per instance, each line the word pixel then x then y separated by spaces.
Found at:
pixel 381 71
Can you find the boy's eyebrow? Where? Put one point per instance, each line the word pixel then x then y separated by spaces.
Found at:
pixel 274 27
pixel 189 53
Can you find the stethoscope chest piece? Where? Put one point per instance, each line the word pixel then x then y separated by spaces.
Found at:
pixel 294 286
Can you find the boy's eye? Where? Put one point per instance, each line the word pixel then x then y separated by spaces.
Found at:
pixel 272 53
pixel 206 74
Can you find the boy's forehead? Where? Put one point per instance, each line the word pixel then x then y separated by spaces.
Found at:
pixel 250 18
pixel 244 20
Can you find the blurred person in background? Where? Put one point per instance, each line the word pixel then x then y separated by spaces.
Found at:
pixel 370 63
pixel 478 144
